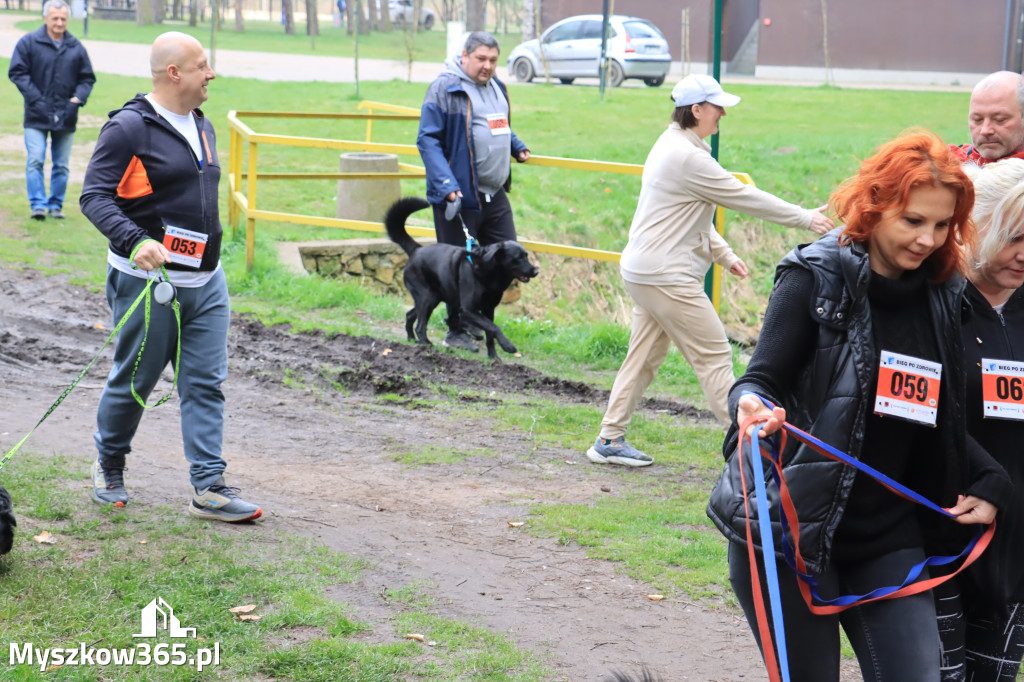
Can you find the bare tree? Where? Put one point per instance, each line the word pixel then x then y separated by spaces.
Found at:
pixel 385 16
pixel 349 13
pixel 411 27
pixel 529 23
pixel 312 21
pixel 193 13
pixel 289 17
pixel 371 8
pixel 239 19
pixel 475 15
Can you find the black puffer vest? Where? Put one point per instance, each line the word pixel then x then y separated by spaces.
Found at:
pixel 832 397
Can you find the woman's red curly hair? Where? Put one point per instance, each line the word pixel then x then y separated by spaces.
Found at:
pixel 884 182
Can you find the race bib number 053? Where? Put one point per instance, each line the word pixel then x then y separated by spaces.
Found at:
pixel 186 246
pixel 1002 388
pixel 908 388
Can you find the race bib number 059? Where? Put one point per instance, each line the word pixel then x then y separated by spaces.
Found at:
pixel 1002 389
pixel 186 246
pixel 908 388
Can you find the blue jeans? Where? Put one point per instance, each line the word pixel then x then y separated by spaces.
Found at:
pixel 896 640
pixel 60 153
pixel 205 316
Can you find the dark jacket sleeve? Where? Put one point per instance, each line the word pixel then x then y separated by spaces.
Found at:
pixel 86 77
pixel 784 344
pixel 989 480
pixel 431 142
pixel 20 72
pixel 107 166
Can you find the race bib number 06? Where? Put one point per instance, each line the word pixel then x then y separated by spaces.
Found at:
pixel 186 246
pixel 908 388
pixel 1002 388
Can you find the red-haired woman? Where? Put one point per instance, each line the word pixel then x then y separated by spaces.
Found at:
pixel 882 289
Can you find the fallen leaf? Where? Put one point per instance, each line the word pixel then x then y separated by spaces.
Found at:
pixel 45 538
pixel 142 542
pixel 517 355
pixel 98 326
pixel 431 643
pixel 570 461
pixel 413 635
pixel 606 489
pixel 251 617
pixel 386 351
pixel 52 667
pixel 516 524
pixel 607 190
pixel 655 597
pixel 243 609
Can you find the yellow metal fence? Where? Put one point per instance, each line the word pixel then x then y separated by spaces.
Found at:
pixel 244 139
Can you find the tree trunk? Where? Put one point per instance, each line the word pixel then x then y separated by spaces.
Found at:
pixel 239 19
pixel 193 13
pixel 364 25
pixel 529 23
pixel 289 17
pixel 143 12
pixel 371 8
pixel 475 15
pixel 312 20
pixel 385 16
pixel 349 10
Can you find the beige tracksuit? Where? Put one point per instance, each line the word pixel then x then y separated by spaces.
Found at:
pixel 672 243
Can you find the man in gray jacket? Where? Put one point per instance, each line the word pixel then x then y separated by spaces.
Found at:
pixel 52 70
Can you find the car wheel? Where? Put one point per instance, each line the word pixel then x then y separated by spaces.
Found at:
pixel 567 81
pixel 523 70
pixel 428 23
pixel 654 82
pixel 615 75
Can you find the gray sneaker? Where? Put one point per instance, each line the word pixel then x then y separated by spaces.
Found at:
pixel 617 451
pixel 220 502
pixel 108 485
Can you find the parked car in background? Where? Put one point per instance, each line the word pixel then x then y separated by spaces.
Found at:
pixel 402 12
pixel 572 49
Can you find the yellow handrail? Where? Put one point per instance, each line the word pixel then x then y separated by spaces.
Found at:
pixel 241 134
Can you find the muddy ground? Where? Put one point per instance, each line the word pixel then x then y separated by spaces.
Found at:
pixel 318 462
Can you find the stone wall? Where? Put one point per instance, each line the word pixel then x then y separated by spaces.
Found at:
pixel 378 263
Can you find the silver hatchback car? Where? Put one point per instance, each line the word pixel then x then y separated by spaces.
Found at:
pixel 572 49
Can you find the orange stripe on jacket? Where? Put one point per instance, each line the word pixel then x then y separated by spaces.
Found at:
pixel 135 181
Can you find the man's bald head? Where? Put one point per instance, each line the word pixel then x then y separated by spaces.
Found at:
pixel 995 117
pixel 171 48
pixel 180 71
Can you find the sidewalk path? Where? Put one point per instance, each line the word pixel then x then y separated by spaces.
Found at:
pixel 129 59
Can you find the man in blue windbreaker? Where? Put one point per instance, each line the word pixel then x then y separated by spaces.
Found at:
pixel 467 145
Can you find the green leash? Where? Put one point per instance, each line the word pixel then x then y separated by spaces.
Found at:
pixel 143 296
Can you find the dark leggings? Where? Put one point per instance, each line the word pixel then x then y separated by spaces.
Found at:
pixel 491 224
pixel 979 646
pixel 895 640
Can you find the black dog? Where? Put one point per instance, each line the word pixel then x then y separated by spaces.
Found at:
pixel 7 522
pixel 470 283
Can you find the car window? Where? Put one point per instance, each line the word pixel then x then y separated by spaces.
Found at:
pixel 591 29
pixel 641 29
pixel 566 31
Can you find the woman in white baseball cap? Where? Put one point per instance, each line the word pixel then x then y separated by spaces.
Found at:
pixel 672 243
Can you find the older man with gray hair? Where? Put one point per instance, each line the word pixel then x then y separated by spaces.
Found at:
pixel 52 70
pixel 995 119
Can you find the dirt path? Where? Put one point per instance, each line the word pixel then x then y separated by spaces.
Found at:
pixel 318 463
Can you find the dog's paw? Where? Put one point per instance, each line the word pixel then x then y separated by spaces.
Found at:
pixel 507 346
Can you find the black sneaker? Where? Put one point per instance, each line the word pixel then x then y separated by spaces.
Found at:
pixel 56 214
pixel 38 214
pixel 220 502
pixel 473 330
pixel 108 485
pixel 460 340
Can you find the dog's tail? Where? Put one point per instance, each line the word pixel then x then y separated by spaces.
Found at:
pixel 395 219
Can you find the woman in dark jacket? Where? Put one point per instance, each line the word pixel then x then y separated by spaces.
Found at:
pixel 983 640
pixel 879 293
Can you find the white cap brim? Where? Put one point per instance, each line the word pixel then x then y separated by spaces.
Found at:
pixel 724 99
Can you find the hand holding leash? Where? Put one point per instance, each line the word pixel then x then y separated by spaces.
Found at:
pixel 750 405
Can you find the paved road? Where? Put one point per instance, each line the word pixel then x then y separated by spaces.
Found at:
pixel 127 59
